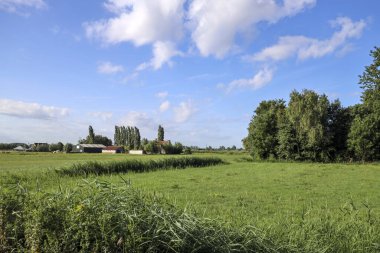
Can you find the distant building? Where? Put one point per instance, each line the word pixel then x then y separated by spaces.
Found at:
pixel 88 148
pixel 136 152
pixel 113 150
pixel 161 145
pixel 19 148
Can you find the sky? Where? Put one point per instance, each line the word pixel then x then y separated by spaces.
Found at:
pixel 197 67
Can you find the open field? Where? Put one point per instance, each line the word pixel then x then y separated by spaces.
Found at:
pixel 307 207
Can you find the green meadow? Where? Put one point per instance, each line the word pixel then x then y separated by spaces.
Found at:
pixel 296 207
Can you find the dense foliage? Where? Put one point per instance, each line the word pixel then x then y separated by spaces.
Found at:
pixel 310 127
pixel 129 137
pixel 95 139
pixel 160 133
pixel 9 146
pixel 364 137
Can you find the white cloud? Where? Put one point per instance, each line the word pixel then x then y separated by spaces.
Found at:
pixel 139 21
pixel 184 111
pixel 30 110
pixel 109 68
pixel 304 47
pixel 162 94
pixel 164 106
pixel 215 23
pixel 102 115
pixel 162 53
pixel 142 22
pixel 263 77
pixel 138 119
pixel 16 5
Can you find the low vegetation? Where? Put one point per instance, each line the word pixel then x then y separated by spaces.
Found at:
pixel 99 168
pixel 238 206
pixel 100 218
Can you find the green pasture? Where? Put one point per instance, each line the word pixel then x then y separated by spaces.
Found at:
pixel 304 205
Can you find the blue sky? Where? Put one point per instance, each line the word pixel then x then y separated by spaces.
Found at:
pixel 199 67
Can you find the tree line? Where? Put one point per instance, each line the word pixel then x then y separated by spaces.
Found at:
pixel 127 136
pixel 313 128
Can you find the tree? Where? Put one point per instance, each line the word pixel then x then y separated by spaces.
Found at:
pixel 56 147
pixel 288 147
pixel 307 118
pixel 151 147
pixel 171 149
pixel 144 141
pixel 116 136
pixel 161 134
pixel 262 139
pixel 68 147
pixel 41 148
pixel 339 123
pixel 95 139
pixel 137 138
pixel 187 151
pixel 364 136
pixel 91 135
pixel 100 139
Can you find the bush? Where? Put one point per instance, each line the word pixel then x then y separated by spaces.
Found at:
pixel 187 151
pixel 171 149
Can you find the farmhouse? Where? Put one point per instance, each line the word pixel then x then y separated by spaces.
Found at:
pixel 113 150
pixel 161 145
pixel 88 148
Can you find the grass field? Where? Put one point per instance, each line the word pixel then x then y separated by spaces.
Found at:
pixel 308 207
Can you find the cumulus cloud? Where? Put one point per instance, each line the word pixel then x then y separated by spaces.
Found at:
pixel 162 53
pixel 139 119
pixel 164 106
pixel 303 47
pixel 260 79
pixel 139 21
pixel 109 68
pixel 216 23
pixel 101 115
pixel 30 110
pixel 184 111
pixel 142 22
pixel 213 24
pixel 16 5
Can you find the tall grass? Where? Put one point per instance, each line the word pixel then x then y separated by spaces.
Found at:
pixel 100 218
pixel 99 168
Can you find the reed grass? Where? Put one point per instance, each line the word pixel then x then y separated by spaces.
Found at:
pixel 137 166
pixel 98 217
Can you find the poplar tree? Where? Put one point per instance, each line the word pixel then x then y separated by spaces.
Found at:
pixel 161 133
pixel 91 135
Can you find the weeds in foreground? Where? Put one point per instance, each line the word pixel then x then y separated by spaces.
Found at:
pixel 98 217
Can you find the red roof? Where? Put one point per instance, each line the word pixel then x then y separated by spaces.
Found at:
pixel 163 142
